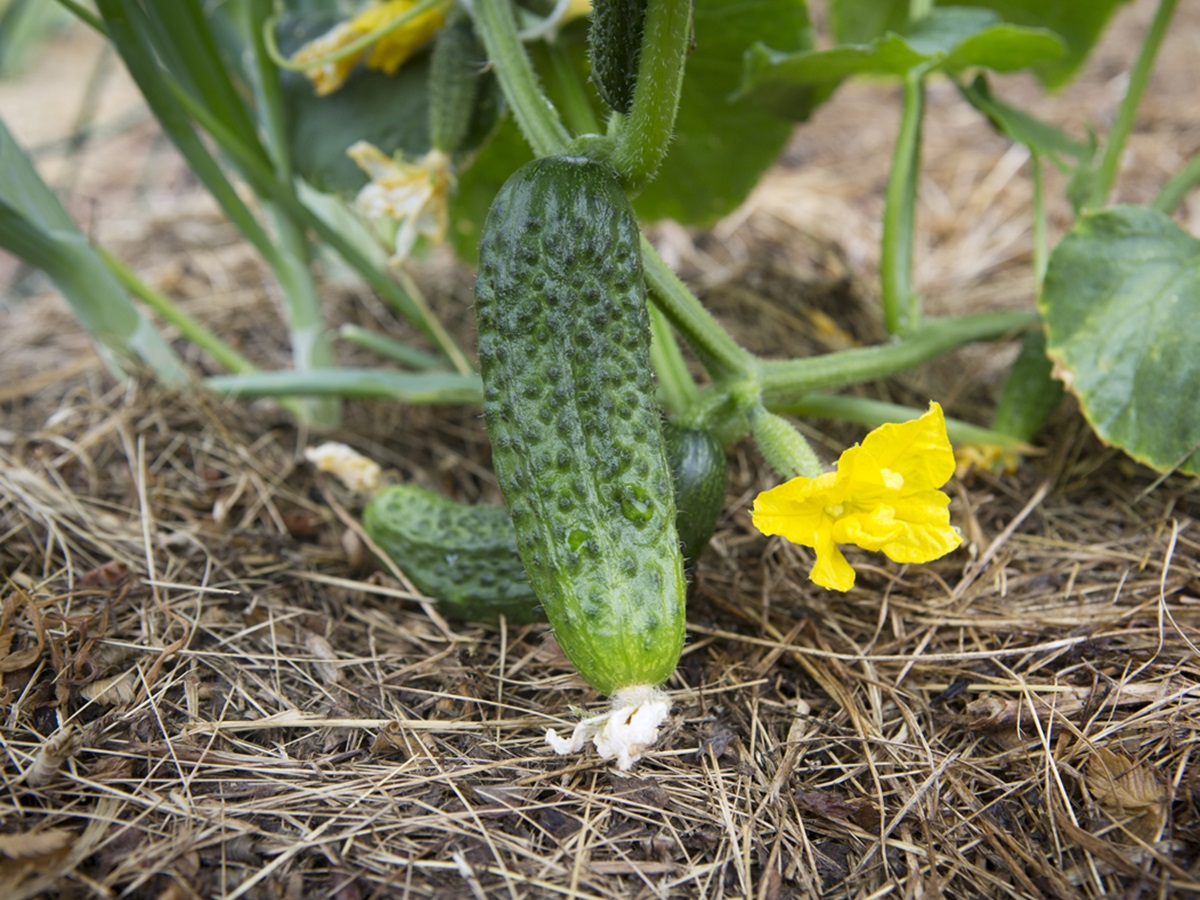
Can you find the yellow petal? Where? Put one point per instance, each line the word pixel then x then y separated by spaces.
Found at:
pixel 327 77
pixel 918 451
pixel 396 47
pixel 831 571
pixel 796 509
pixel 873 529
pixel 928 534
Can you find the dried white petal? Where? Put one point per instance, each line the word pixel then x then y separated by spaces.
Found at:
pixel 353 469
pixel 623 733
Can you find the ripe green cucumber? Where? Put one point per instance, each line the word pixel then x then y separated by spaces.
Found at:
pixel 564 346
pixel 463 555
pixel 615 48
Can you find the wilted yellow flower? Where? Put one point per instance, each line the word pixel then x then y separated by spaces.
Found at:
pixel 413 197
pixel 885 496
pixel 986 458
pixel 393 48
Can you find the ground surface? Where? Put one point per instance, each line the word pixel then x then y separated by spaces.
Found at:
pixel 207 692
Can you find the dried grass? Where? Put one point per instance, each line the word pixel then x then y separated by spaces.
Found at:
pixel 206 692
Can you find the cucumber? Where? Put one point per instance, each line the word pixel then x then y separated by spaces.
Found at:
pixel 456 69
pixel 699 476
pixel 615 48
pixel 564 346
pixel 463 555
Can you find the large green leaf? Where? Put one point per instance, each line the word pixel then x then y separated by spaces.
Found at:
pixel 721 147
pixel 1121 303
pixel 389 111
pixel 949 39
pixel 1078 22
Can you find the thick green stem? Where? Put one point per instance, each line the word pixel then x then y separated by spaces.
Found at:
pixel 645 133
pixel 718 352
pixel 901 303
pixel 1122 127
pixel 536 117
pixel 1177 188
pixel 675 385
pixel 786 381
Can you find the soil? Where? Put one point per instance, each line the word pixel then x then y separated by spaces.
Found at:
pixel 209 690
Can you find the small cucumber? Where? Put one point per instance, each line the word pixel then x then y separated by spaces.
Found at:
pixel 615 48
pixel 1031 392
pixel 463 555
pixel 456 69
pixel 564 347
pixel 699 476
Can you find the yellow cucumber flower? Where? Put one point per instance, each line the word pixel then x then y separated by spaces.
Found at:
pixel 411 197
pixel 885 496
pixel 393 48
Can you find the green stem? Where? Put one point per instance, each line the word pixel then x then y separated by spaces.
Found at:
pixel 675 384
pixel 1041 239
pixel 785 381
pixel 191 330
pixel 390 348
pixel 440 388
pixel 1122 127
pixel 718 352
pixel 536 117
pixel 577 109
pixel 874 413
pixel 1177 188
pixel 901 303
pixel 645 133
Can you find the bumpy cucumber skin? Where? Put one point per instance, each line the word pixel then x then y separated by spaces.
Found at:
pixel 464 556
pixel 700 475
pixel 615 48
pixel 564 346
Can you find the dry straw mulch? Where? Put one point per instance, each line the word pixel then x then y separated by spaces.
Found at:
pixel 208 690
pixel 206 694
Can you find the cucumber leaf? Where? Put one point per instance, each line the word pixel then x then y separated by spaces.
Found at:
pixel 389 111
pixel 712 165
pixel 722 147
pixel 949 39
pixel 1078 24
pixel 1121 302
pixel 1045 139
